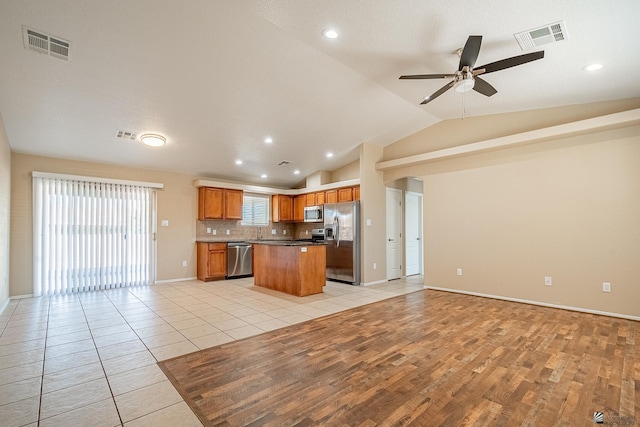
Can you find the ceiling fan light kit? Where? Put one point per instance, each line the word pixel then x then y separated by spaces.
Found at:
pixel 467 77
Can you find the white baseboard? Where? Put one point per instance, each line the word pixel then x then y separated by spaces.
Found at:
pixel 543 304
pixel 184 279
pixel 22 296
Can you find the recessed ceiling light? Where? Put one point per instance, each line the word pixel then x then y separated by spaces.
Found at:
pixel 264 175
pixel 268 140
pixel 296 172
pixel 153 140
pixel 238 162
pixel 330 33
pixel 592 67
pixel 329 155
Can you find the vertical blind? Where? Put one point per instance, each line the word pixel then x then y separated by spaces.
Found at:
pixel 91 235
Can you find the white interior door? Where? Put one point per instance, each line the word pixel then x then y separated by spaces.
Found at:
pixel 413 233
pixel 394 234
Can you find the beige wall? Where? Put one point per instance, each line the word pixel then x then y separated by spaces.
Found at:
pixel 5 208
pixel 347 172
pixel 177 202
pixel 373 206
pixel 567 208
pixel 452 133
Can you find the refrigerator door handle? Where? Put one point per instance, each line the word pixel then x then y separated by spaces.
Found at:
pixel 336 222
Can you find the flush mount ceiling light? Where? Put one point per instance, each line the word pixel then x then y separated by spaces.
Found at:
pixel 330 33
pixel 153 140
pixel 592 67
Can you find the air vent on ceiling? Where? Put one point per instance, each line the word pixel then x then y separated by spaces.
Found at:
pixel 284 163
pixel 44 43
pixel 125 134
pixel 550 33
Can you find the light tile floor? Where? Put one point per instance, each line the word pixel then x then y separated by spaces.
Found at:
pixel 90 358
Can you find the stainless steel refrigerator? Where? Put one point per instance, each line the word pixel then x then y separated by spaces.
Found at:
pixel 342 234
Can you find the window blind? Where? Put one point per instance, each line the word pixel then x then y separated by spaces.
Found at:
pixel 255 209
pixel 91 235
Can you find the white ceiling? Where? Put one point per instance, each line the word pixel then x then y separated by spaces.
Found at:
pixel 216 77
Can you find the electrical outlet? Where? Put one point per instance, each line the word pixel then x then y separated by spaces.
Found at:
pixel 273 231
pixel 228 232
pixel 459 272
pixel 208 230
pixel 606 287
pixel 214 232
pixel 184 263
pixel 375 266
pixel 548 281
pixel 284 231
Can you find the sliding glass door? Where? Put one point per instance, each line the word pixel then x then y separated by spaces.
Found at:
pixel 91 235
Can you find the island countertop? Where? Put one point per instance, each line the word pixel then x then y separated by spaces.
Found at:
pixel 296 268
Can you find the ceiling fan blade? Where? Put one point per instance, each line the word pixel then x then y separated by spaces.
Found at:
pixel 481 86
pixel 470 52
pixel 437 93
pixel 511 62
pixel 429 76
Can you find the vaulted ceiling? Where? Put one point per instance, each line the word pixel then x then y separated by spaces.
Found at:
pixel 217 77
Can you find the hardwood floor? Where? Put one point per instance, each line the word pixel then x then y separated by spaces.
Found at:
pixel 426 358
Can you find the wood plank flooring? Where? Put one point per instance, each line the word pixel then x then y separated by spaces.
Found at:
pixel 428 358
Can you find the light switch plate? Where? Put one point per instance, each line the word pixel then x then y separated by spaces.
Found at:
pixel 165 222
pixel 303 249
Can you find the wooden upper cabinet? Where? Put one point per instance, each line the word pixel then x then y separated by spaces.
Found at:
pixel 210 203
pixel 219 203
pixel 345 194
pixel 320 198
pixel 282 208
pixel 310 199
pixel 232 204
pixel 356 192
pixel 298 207
pixel 331 196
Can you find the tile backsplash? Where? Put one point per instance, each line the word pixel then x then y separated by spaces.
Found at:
pixel 236 231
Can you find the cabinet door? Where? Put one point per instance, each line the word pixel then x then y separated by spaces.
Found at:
pixel 233 204
pixel 282 208
pixel 210 203
pixel 320 198
pixel 356 193
pixel 286 208
pixel 345 194
pixel 298 207
pixel 331 196
pixel 310 199
pixel 217 263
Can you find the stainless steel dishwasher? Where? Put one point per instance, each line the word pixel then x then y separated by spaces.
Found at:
pixel 239 259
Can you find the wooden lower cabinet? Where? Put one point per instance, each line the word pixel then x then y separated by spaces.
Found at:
pixel 212 261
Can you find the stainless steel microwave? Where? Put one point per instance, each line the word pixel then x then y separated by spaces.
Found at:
pixel 313 214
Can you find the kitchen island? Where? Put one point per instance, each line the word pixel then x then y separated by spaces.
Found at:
pixel 296 268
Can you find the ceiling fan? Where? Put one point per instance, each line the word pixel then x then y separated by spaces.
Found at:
pixel 467 77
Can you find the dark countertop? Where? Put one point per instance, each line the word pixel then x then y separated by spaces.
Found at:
pixel 280 242
pixel 286 243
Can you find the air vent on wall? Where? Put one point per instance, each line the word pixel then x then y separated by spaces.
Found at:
pixel 550 33
pixel 284 163
pixel 125 134
pixel 44 43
